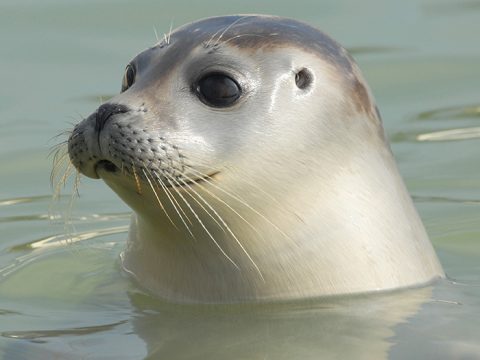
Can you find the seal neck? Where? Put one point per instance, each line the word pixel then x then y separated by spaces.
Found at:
pixel 357 232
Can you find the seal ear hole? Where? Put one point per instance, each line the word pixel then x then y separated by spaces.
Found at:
pixel 303 79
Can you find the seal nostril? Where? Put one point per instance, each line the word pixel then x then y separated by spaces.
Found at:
pixel 107 165
pixel 104 113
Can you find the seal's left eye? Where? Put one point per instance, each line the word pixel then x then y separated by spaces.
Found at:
pixel 218 90
pixel 128 77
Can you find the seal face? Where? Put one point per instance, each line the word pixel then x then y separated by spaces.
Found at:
pixel 254 158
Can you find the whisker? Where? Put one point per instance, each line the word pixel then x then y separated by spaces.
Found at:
pixel 67 133
pixel 224 224
pixel 62 169
pixel 170 32
pixel 60 163
pixel 228 28
pixel 175 205
pixel 241 35
pixel 204 209
pixel 225 29
pixel 201 223
pixel 198 162
pixel 61 172
pixel 176 201
pixel 76 183
pixel 73 196
pixel 67 222
pixel 63 180
pixel 137 180
pixel 241 201
pixel 58 185
pixel 156 33
pixel 57 147
pixel 158 199
pixel 58 152
pixel 228 206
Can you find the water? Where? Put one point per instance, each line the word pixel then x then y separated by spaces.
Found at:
pixel 62 294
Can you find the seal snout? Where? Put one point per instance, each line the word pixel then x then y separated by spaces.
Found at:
pixel 105 112
pixel 88 145
pixel 103 115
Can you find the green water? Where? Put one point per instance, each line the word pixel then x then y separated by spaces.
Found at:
pixel 62 294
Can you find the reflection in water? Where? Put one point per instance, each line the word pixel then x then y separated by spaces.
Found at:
pixel 443 329
pixel 356 327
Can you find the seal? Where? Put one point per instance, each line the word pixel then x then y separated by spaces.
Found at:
pixel 254 158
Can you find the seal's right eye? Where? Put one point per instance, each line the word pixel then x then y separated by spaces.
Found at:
pixel 128 77
pixel 218 90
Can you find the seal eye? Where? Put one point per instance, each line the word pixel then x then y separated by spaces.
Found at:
pixel 218 90
pixel 128 77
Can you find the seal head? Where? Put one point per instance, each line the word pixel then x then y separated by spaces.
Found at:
pixel 254 158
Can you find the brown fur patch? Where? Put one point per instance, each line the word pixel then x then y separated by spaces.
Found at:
pixel 362 98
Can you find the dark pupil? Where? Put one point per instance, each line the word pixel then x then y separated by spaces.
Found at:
pixel 128 78
pixel 218 90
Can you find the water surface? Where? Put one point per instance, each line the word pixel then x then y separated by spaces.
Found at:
pixel 62 294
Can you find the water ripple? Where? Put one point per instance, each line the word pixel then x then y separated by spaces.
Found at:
pixel 452 112
pixel 451 134
pixel 444 199
pixel 26 199
pixel 9 312
pixel 457 134
pixel 97 217
pixel 450 7
pixel 36 217
pixel 61 240
pixel 69 219
pixel 361 50
pixel 52 242
pixel 463 112
pixel 36 334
